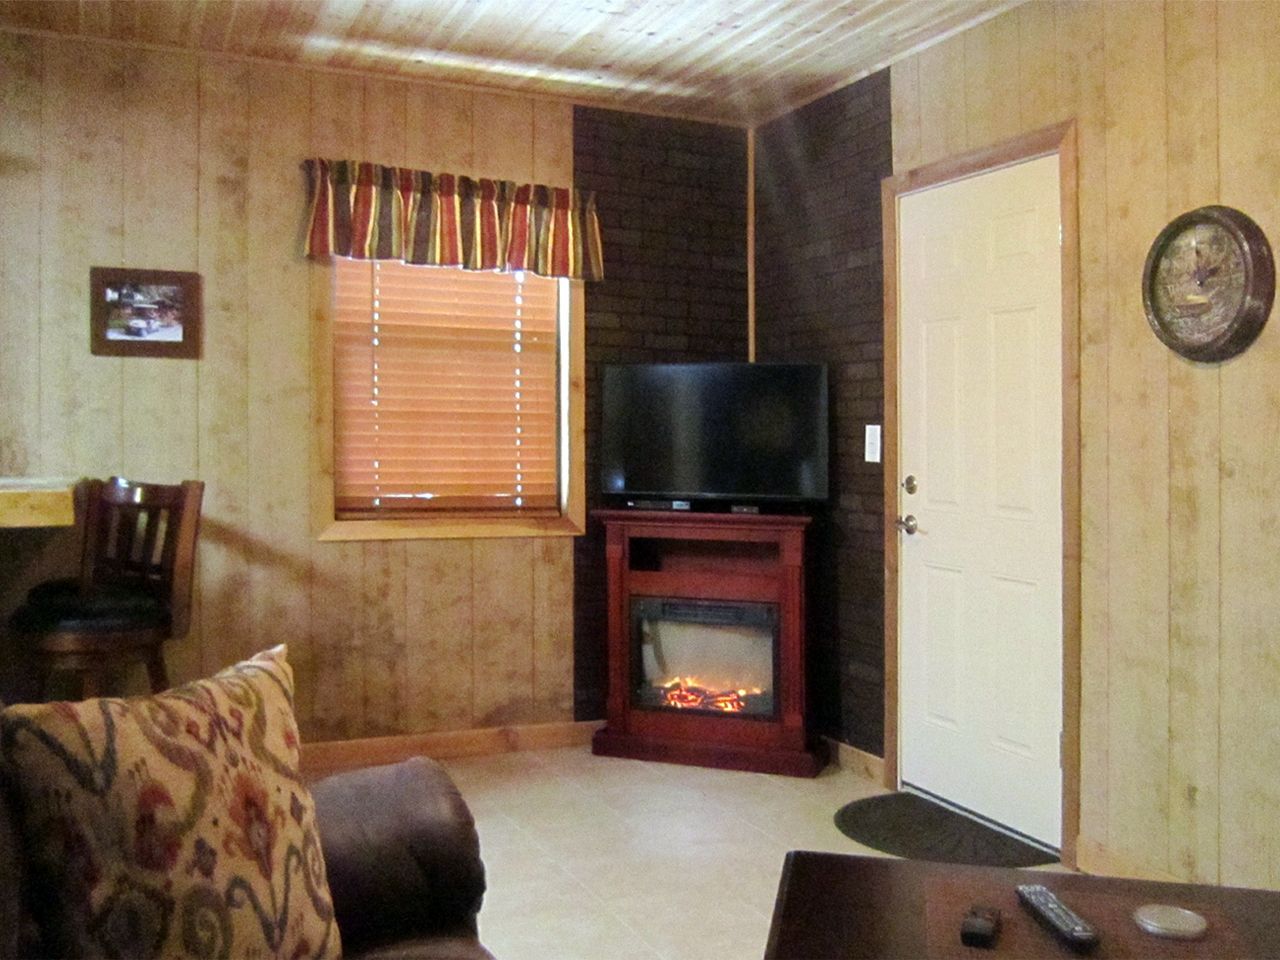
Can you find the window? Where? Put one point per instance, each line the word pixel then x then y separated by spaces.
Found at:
pixel 450 401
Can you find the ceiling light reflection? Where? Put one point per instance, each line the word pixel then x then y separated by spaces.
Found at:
pixel 473 63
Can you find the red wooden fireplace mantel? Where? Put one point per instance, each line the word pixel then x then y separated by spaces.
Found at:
pixel 729 557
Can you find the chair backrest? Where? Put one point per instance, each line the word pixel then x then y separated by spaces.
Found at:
pixel 142 536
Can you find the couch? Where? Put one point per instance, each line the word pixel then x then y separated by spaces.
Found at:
pixel 401 852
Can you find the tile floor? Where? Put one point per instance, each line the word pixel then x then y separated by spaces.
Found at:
pixel 594 857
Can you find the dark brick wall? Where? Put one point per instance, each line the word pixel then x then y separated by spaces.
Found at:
pixel 672 198
pixel 819 299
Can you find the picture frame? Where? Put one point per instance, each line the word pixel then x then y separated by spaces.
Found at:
pixel 144 313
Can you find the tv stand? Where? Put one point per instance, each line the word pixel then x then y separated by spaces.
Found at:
pixel 707 561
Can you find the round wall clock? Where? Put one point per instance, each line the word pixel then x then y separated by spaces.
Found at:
pixel 1208 283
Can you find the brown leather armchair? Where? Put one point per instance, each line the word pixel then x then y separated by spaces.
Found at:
pixel 401 853
pixel 403 859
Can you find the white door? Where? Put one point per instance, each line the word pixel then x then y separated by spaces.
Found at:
pixel 980 581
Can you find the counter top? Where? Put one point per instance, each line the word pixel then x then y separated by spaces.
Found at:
pixel 37 502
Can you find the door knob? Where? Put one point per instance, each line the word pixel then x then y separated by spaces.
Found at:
pixel 908 524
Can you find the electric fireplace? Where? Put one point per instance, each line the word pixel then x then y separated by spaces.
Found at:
pixel 706 641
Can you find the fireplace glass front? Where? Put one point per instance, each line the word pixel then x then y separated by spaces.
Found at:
pixel 714 657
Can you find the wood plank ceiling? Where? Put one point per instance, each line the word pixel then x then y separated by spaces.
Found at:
pixel 741 62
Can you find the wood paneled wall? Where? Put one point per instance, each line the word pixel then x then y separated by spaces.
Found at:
pixel 1176 105
pixel 112 155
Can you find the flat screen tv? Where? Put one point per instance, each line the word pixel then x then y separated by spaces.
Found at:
pixel 715 434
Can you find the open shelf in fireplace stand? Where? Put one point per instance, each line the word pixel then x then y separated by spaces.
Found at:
pixel 725 557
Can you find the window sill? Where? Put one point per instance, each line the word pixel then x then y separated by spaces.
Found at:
pixel 451 528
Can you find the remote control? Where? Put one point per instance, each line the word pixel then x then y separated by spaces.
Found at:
pixel 1063 922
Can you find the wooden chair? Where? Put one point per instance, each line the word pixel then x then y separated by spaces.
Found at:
pixel 138 545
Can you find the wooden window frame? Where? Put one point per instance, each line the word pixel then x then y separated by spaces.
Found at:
pixel 571 519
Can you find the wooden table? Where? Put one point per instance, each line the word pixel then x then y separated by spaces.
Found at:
pixel 833 905
pixel 36 502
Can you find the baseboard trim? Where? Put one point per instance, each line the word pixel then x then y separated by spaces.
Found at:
pixel 332 756
pixel 858 761
pixel 1093 857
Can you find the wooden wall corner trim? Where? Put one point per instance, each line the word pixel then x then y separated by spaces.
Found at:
pixel 889 441
pixel 751 244
pixel 857 761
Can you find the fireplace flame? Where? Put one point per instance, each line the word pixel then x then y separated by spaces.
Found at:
pixel 689 693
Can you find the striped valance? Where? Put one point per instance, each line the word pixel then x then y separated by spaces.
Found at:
pixel 372 212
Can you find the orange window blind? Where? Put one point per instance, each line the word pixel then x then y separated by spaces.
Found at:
pixel 445 391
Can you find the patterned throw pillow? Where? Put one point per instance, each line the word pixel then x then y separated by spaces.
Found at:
pixel 174 825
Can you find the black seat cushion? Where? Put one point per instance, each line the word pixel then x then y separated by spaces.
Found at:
pixel 58 605
pixel 50 590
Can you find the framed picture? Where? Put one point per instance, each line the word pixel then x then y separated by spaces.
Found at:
pixel 144 313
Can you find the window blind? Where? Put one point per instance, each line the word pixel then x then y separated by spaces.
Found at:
pixel 445 390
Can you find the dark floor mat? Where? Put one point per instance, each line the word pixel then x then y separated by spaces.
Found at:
pixel 908 825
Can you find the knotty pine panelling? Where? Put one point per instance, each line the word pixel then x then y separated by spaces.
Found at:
pixel 705 61
pixel 1175 106
pixel 118 156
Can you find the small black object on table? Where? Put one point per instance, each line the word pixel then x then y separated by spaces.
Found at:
pixel 980 926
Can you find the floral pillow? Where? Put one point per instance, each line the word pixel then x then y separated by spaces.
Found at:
pixel 174 825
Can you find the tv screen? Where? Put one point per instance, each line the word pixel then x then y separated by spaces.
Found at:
pixel 740 432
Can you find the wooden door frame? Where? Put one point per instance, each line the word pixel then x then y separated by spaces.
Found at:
pixel 1059 139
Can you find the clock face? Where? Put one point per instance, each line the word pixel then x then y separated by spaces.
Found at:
pixel 1208 283
pixel 1199 283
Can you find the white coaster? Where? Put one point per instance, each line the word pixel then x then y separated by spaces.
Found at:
pixel 1166 920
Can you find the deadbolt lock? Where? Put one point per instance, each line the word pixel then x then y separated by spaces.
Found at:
pixel 909 484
